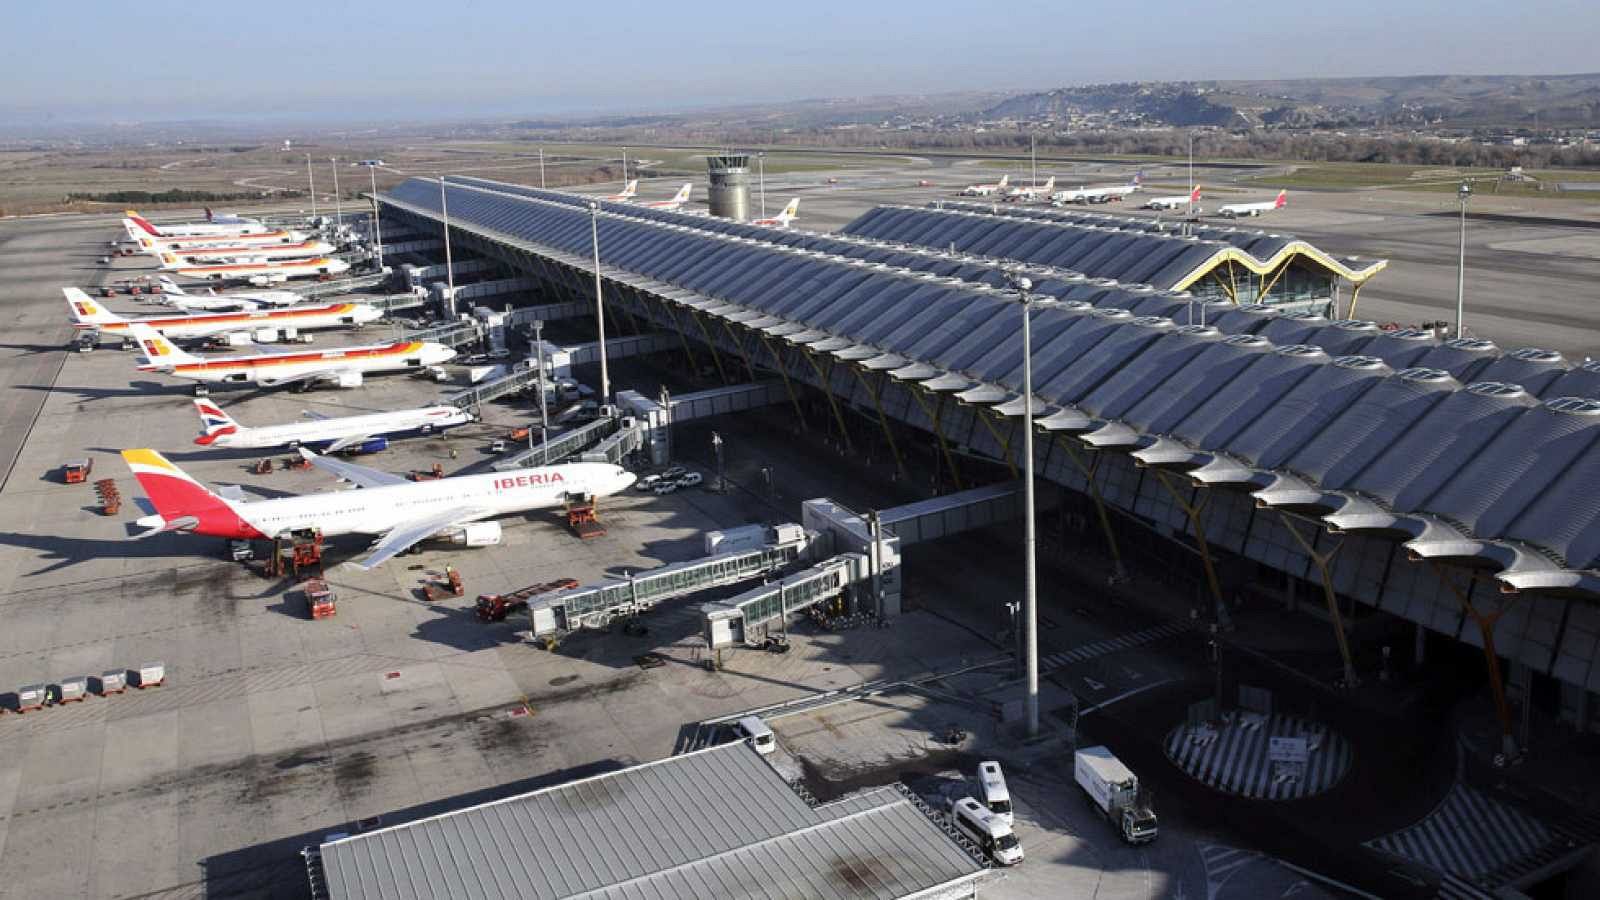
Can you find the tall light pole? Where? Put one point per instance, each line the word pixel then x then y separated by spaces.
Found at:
pixel 1033 160
pixel 377 228
pixel 1023 286
pixel 1464 194
pixel 311 185
pixel 541 167
pixel 1191 176
pixel 544 421
pixel 338 212
pixel 449 263
pixel 624 168
pixel 761 179
pixel 599 303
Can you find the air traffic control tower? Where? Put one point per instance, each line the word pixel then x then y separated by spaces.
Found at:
pixel 730 186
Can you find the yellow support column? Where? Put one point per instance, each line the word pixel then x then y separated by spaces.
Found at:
pixel 883 420
pixel 1486 624
pixel 788 383
pixel 824 382
pixel 1193 511
pixel 715 356
pixel 936 415
pixel 1324 564
pixel 1089 472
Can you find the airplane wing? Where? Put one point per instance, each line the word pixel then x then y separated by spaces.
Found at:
pixel 401 537
pixel 346 443
pixel 318 375
pixel 358 475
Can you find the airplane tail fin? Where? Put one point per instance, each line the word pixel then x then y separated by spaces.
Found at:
pixel 169 261
pixel 87 312
pixel 1049 184
pixel 684 192
pixel 180 501
pixel 168 286
pixel 1282 201
pixel 790 211
pixel 144 226
pixel 156 350
pixel 214 422
pixel 208 214
pixel 1194 195
pixel 1138 178
pixel 1005 179
pixel 631 188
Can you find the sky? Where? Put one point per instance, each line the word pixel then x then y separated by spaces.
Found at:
pixel 362 61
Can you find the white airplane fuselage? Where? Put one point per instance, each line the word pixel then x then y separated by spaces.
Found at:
pixel 375 510
pixel 320 432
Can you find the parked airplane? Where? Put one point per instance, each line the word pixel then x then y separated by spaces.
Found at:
pixel 341 366
pixel 367 433
pixel 782 219
pixel 138 229
pixel 627 192
pixel 401 513
pixel 228 226
pixel 678 199
pixel 87 313
pixel 1110 193
pixel 984 190
pixel 203 252
pixel 1235 210
pixel 1022 194
pixel 254 270
pixel 1173 201
pixel 214 302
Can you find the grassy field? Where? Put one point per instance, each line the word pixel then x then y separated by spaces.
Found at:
pixel 1358 176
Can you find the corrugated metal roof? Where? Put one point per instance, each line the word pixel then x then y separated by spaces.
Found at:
pixel 1113 383
pixel 720 822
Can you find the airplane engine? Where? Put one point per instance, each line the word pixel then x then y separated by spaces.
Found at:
pixel 477 534
pixel 376 445
pixel 349 379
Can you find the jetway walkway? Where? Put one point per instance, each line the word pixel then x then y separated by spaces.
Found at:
pixel 928 520
pixel 339 285
pixel 390 303
pixel 420 245
pixel 745 619
pixel 451 334
pixel 593 606
pixel 561 446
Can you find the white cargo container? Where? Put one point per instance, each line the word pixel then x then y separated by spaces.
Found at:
pixel 113 681
pixel 149 675
pixel 30 696
pixel 74 689
pixel 1114 790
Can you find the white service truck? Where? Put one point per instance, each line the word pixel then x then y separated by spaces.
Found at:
pixel 1114 790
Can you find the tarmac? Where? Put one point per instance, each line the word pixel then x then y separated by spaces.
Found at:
pixel 273 729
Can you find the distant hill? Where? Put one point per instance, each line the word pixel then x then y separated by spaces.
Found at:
pixel 1557 101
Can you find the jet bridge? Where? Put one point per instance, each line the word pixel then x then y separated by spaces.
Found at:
pixel 561 446
pixel 746 618
pixel 594 606
pixel 339 285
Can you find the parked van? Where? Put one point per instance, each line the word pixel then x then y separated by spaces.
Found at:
pixel 985 829
pixel 752 729
pixel 992 791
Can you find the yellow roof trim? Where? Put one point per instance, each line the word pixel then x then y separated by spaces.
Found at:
pixel 1291 249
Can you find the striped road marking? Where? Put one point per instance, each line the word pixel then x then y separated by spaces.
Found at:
pixel 1110 645
pixel 1233 758
pixel 1470 834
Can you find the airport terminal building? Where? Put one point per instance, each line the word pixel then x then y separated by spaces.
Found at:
pixel 1193 390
